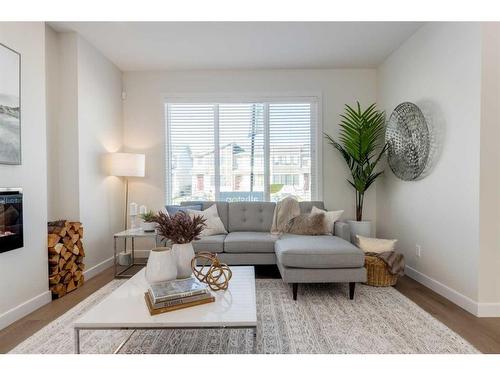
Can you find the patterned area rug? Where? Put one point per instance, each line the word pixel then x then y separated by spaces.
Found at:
pixel 323 320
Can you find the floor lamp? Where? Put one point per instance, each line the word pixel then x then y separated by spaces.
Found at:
pixel 126 165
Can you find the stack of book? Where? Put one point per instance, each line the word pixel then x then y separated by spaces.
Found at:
pixel 176 294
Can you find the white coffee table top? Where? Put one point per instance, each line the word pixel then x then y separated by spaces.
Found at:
pixel 125 307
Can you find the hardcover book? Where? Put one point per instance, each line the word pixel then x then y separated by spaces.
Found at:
pixel 175 289
pixel 154 311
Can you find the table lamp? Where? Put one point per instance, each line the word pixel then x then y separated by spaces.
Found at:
pixel 126 165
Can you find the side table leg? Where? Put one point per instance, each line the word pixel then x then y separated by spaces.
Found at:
pixel 255 340
pixel 77 340
pixel 133 250
pixel 114 256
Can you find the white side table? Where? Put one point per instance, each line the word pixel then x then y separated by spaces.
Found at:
pixel 132 234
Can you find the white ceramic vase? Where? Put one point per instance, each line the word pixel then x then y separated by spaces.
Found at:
pixel 362 228
pixel 162 265
pixel 184 253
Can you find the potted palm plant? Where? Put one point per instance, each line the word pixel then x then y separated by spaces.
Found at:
pixel 361 143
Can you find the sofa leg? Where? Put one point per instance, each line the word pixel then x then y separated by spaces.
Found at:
pixel 295 286
pixel 352 286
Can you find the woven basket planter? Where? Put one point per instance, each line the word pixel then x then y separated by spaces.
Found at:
pixel 378 273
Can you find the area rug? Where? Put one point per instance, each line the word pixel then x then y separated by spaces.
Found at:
pixel 323 320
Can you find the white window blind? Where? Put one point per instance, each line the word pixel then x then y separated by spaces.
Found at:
pixel 191 152
pixel 290 150
pixel 241 151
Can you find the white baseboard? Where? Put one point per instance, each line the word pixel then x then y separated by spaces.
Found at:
pixel 457 298
pixel 25 308
pixel 488 310
pixel 98 268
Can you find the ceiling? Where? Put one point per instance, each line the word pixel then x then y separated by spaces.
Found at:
pixel 243 45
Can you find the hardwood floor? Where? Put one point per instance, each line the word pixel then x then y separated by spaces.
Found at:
pixel 483 333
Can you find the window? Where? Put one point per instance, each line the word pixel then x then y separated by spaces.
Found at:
pixel 255 151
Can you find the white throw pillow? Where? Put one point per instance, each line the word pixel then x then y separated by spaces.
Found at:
pixel 214 224
pixel 330 217
pixel 375 245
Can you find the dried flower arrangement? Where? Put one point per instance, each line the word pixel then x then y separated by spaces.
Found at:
pixel 180 228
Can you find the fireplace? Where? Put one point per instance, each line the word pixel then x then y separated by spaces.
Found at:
pixel 11 219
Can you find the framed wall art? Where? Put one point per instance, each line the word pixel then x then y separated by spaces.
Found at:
pixel 10 106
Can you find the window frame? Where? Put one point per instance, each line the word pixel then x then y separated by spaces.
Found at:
pixel 315 99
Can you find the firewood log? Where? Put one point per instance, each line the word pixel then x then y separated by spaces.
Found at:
pixel 76 250
pixel 54 259
pixel 71 286
pixel 56 249
pixel 80 281
pixel 53 270
pixel 67 278
pixel 52 239
pixel 68 265
pixel 55 279
pixel 76 225
pixel 78 274
pixel 68 243
pixel 62 262
pixel 74 268
pixel 57 227
pixel 80 232
pixel 67 255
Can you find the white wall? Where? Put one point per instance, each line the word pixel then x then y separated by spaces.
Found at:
pixel 85 98
pixel 99 132
pixel 439 69
pixel 23 272
pixel 489 262
pixel 144 118
pixel 62 125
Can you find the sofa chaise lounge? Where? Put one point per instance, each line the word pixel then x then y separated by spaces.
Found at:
pixel 300 258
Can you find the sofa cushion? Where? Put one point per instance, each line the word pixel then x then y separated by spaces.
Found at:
pixel 221 209
pixel 250 216
pixel 249 242
pixel 212 244
pixel 317 252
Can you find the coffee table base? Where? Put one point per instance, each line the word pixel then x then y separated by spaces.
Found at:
pixel 122 344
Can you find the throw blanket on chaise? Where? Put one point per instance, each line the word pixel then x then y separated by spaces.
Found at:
pixel 285 210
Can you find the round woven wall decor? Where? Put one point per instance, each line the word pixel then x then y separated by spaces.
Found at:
pixel 407 135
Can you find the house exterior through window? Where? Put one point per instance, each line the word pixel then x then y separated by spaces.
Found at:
pixel 250 151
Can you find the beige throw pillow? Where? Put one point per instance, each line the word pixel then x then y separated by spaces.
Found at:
pixel 375 245
pixel 214 224
pixel 330 217
pixel 307 224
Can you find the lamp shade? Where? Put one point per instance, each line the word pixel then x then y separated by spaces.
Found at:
pixel 126 164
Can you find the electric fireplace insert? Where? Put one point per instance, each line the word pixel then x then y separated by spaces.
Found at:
pixel 11 219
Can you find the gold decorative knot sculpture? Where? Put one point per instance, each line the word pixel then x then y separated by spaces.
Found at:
pixel 211 272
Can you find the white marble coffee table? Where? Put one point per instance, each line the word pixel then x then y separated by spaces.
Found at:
pixel 125 308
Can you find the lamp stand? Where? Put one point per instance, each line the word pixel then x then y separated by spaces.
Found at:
pixel 126 210
pixel 126 204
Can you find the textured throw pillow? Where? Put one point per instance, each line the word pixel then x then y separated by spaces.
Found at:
pixel 375 245
pixel 330 217
pixel 307 224
pixel 173 209
pixel 214 224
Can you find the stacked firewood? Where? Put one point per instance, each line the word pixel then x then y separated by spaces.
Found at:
pixel 66 256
